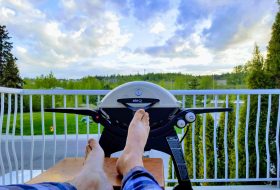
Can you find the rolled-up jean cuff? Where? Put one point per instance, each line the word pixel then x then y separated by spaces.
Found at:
pixel 136 172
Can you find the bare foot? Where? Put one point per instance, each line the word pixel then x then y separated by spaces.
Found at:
pixel 137 136
pixel 92 175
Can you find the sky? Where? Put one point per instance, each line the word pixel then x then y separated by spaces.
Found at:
pixel 74 38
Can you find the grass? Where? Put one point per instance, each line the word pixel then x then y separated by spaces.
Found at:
pixel 48 120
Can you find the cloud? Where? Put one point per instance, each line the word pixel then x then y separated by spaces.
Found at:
pixel 157 28
pixel 54 43
pixel 77 38
pixel 146 9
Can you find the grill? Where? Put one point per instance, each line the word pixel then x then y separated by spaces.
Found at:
pixel 118 107
pixel 120 104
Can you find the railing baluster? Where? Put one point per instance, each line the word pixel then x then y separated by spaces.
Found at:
pixel 77 126
pixel 267 137
pixel 203 138
pixel 246 135
pixel 1 126
pixel 98 101
pixel 65 127
pixel 54 129
pixel 236 136
pixel 193 141
pixel 257 137
pixel 277 145
pixel 13 136
pixel 21 139
pixel 32 136
pixel 7 137
pixel 225 140
pixel 87 102
pixel 183 131
pixel 43 133
pixel 215 140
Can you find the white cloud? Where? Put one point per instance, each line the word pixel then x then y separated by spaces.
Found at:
pixel 6 12
pixel 157 28
pixel 51 44
pixel 88 38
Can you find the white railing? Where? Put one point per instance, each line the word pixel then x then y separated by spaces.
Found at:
pixel 25 153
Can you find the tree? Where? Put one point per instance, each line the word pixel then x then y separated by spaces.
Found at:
pixel 257 78
pixel 273 72
pixel 237 76
pixel 9 74
pixel 273 56
pixel 10 77
pixel 193 84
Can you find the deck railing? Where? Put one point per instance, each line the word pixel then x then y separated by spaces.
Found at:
pixel 29 146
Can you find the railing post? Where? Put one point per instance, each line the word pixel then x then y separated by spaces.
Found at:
pixel 7 138
pixel 65 128
pixel 236 136
pixel 215 140
pixel 277 144
pixel 43 133
pixel 32 135
pixel 13 136
pixel 99 132
pixel 87 103
pixel 1 126
pixel 204 143
pixel 193 141
pixel 267 137
pixel 257 137
pixel 77 127
pixel 21 139
pixel 246 136
pixel 54 129
pixel 225 140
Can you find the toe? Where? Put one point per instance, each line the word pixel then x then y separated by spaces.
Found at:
pixel 146 119
pixel 139 114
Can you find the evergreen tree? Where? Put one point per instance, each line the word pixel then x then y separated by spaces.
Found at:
pixel 273 56
pixel 5 48
pixel 9 74
pixel 273 72
pixel 257 78
pixel 193 84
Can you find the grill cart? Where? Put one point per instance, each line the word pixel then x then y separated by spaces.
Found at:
pixel 118 107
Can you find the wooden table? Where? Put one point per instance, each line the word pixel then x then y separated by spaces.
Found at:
pixel 66 169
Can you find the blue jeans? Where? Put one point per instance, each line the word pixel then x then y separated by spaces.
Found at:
pixel 136 179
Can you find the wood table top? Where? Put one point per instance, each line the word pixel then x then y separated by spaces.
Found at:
pixel 66 169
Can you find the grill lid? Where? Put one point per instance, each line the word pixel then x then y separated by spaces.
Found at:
pixel 139 93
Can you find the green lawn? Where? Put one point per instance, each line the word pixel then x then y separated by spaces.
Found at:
pixel 48 118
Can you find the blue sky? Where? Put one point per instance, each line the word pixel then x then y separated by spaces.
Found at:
pixel 75 38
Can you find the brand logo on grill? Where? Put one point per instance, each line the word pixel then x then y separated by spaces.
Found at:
pixel 137 100
pixel 138 92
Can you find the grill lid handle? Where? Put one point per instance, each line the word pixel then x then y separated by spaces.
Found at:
pixel 127 101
